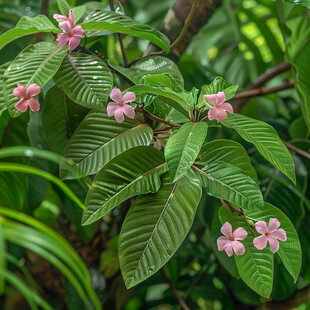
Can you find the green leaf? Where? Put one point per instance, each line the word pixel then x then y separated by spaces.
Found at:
pixel 230 152
pixel 305 3
pixel 174 99
pixel 183 147
pixel 297 53
pixel 290 250
pixel 133 172
pixel 218 84
pixel 228 182
pixel 2 100
pixel 3 263
pixel 155 226
pixel 35 64
pixel 99 139
pixel 266 140
pixel 149 66
pixel 85 79
pixel 28 25
pixel 60 110
pixel 64 7
pixel 255 266
pixel 116 22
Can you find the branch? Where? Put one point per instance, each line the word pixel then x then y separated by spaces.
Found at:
pixel 157 119
pixel 44 11
pixel 296 149
pixel 174 291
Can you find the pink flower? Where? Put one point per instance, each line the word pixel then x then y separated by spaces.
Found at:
pixel 229 242
pixel 26 97
pixel 70 32
pixel 120 105
pixel 218 111
pixel 271 234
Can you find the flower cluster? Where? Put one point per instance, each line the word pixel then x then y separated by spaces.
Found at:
pixel 230 241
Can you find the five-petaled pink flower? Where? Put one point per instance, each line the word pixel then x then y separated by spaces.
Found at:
pixel 70 32
pixel 229 242
pixel 120 105
pixel 26 97
pixel 218 111
pixel 271 234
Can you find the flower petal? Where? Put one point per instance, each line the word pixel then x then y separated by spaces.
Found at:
pixel 119 115
pixel 62 38
pixel 221 242
pixel 227 107
pixel 65 27
pixel 60 17
pixel 34 104
pixel 222 115
pixel 212 99
pixel 73 43
pixel 21 105
pixel 220 97
pixel 116 95
pixel 129 97
pixel 128 110
pixel 19 91
pixel 240 233
pixel 229 249
pixel 112 107
pixel 238 247
pixel 78 31
pixel 279 234
pixel 227 230
pixel 261 227
pixel 274 244
pixel 260 242
pixel 71 18
pixel 33 90
pixel 274 224
pixel 213 113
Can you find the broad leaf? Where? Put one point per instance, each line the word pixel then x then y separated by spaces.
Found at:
pixel 255 266
pixel 35 64
pixel 265 139
pixel 85 79
pixel 152 65
pixel 99 139
pixel 218 84
pixel 230 152
pixel 64 7
pixel 305 3
pixel 183 147
pixel 155 226
pixel 228 182
pixel 2 70
pixel 28 25
pixel 290 250
pixel 133 172
pixel 60 118
pixel 116 22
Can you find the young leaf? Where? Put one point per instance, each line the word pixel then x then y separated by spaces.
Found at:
pixel 218 84
pixel 228 182
pixel 116 22
pixel 230 152
pixel 85 79
pixel 35 64
pixel 265 139
pixel 155 226
pixel 133 172
pixel 28 25
pixel 255 266
pixel 98 139
pixel 183 147
pixel 290 250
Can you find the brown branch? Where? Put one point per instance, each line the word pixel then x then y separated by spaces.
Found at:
pixel 174 291
pixel 44 11
pixel 296 149
pixel 157 119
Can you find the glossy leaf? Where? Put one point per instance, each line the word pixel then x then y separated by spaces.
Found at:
pixel 64 7
pixel 228 182
pixel 183 147
pixel 230 152
pixel 305 3
pixel 132 173
pixel 99 139
pixel 266 140
pixel 116 22
pixel 255 266
pixel 28 25
pixel 85 79
pixel 2 70
pixel 155 226
pixel 35 64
